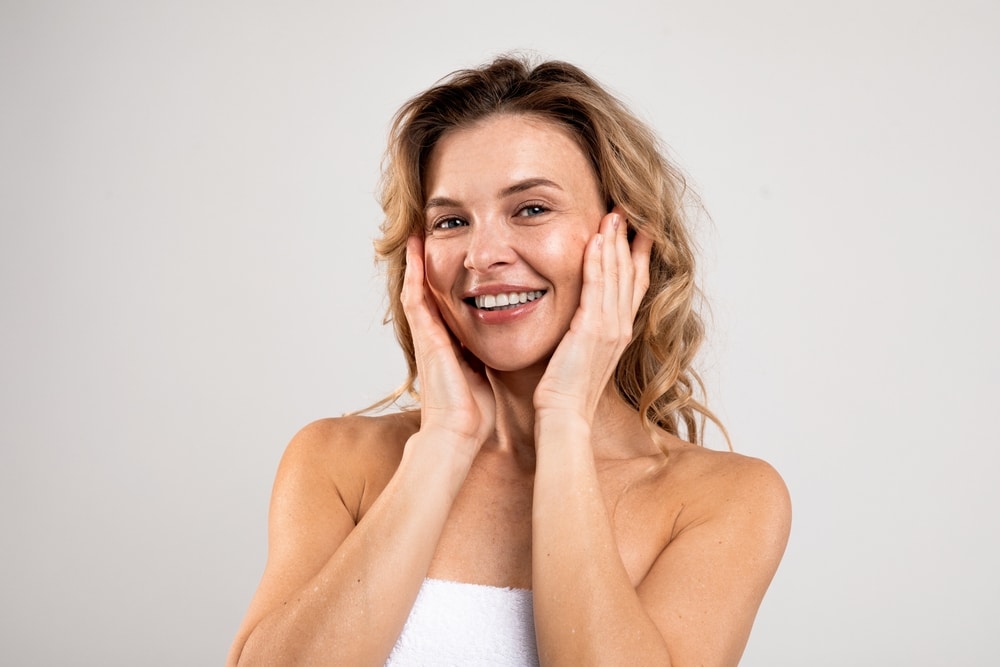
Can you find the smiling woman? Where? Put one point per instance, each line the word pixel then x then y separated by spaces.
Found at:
pixel 549 501
pixel 512 203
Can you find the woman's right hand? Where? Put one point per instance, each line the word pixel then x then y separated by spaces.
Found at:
pixel 455 399
pixel 329 571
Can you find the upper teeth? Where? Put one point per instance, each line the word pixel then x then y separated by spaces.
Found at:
pixel 510 299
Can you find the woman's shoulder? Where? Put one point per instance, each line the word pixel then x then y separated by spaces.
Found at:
pixel 724 484
pixel 354 439
pixel 352 434
pixel 356 454
pixel 705 465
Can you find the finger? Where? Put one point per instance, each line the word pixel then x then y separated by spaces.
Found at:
pixel 420 310
pixel 619 273
pixel 412 295
pixel 626 276
pixel 592 292
pixel 610 270
pixel 642 247
pixel 413 273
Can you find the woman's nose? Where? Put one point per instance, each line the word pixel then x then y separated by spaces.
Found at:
pixel 490 246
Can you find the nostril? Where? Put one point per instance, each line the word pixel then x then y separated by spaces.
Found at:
pixel 488 248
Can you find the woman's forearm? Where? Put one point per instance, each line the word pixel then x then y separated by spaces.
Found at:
pixel 353 609
pixel 586 609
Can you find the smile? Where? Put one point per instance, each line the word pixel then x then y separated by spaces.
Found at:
pixel 503 301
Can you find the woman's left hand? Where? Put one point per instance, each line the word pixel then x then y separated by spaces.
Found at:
pixel 615 279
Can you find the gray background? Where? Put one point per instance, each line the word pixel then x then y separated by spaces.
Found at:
pixel 186 214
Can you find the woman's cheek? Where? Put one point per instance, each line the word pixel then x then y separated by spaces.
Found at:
pixel 564 250
pixel 434 272
pixel 439 282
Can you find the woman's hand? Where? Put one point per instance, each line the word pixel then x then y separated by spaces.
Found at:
pixel 615 278
pixel 455 399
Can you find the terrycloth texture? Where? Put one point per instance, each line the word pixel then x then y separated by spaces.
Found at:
pixel 467 625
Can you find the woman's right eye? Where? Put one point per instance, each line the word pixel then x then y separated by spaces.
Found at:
pixel 447 223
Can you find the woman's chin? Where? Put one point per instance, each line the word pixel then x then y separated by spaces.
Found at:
pixel 513 362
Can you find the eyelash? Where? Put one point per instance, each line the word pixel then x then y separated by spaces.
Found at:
pixel 542 208
pixel 439 224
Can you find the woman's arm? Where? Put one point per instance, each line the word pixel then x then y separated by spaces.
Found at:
pixel 336 592
pixel 698 601
pixel 696 604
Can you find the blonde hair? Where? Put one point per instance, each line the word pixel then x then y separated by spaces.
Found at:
pixel 655 374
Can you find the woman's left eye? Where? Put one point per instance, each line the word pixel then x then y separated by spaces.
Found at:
pixel 531 210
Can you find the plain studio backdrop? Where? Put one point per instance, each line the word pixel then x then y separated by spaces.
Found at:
pixel 187 201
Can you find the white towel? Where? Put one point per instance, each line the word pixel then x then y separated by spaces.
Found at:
pixel 467 625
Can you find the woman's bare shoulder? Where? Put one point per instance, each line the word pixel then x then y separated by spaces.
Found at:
pixel 357 454
pixel 356 435
pixel 699 461
pixel 720 483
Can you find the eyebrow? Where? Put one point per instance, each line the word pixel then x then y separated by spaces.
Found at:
pixel 520 186
pixel 527 185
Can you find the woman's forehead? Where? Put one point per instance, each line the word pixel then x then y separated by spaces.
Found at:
pixel 507 148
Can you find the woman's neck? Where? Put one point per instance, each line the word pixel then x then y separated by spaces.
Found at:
pixel 515 413
pixel 616 431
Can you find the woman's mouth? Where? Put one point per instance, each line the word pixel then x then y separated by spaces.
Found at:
pixel 503 301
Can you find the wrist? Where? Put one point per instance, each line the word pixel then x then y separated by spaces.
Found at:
pixel 563 426
pixel 560 419
pixel 439 457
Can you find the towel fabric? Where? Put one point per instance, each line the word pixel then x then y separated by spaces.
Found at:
pixel 468 625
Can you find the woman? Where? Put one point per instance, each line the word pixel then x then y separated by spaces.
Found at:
pixel 548 501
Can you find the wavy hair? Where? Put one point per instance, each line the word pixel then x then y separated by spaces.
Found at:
pixel 655 373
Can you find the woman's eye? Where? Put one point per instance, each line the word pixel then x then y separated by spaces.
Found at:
pixel 531 210
pixel 448 223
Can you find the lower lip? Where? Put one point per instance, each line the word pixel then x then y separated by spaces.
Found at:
pixel 506 315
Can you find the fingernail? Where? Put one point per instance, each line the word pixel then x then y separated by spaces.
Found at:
pixel 600 240
pixel 615 221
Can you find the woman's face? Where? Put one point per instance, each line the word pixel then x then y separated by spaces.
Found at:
pixel 511 204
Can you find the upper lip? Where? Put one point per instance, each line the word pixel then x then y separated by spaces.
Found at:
pixel 499 288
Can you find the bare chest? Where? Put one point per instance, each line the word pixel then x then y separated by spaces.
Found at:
pixel 487 537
